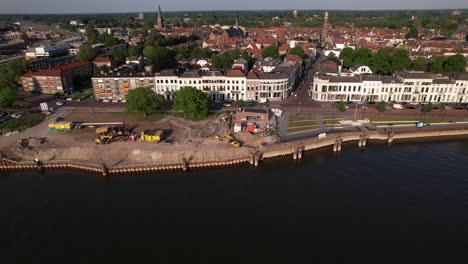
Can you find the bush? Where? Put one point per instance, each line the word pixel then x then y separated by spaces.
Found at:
pixel 341 106
pixel 382 106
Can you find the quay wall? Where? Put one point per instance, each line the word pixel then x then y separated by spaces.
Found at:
pixel 294 148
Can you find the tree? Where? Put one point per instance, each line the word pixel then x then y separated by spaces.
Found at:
pixel 400 60
pixel 241 103
pixel 236 54
pixel 427 108
pixel 7 97
pixel 419 64
pixel 437 65
pixel 382 106
pixel 341 106
pixel 135 51
pixel 455 63
pixel 150 55
pixel 413 32
pixel 86 53
pixel 91 35
pixel 271 51
pixel 347 55
pixel 362 56
pixel 380 63
pixel 192 102
pixel 143 100
pixel 104 68
pixel 299 51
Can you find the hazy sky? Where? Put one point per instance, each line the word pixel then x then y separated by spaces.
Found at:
pixel 101 6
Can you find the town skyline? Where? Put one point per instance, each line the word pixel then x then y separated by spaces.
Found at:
pixel 121 6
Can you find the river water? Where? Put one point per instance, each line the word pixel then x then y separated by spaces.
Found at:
pixel 387 204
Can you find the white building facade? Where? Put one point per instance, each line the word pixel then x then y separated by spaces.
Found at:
pixel 406 86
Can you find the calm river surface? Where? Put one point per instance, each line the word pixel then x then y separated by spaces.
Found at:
pixel 387 204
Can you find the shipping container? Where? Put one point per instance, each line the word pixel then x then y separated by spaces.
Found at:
pixel 52 126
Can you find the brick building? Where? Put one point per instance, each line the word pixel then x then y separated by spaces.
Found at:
pixel 58 79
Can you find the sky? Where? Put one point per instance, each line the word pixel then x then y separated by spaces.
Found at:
pixel 114 6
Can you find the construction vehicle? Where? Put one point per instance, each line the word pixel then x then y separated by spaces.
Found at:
pixel 102 130
pixel 152 136
pixel 22 142
pixel 104 139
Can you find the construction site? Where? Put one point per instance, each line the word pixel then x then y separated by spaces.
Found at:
pixel 119 138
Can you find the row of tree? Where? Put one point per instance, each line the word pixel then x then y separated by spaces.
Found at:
pixel 386 62
pixel 190 101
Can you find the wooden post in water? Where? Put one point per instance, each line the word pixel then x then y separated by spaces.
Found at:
pixel 104 169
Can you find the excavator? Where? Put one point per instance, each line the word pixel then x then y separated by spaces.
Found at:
pixel 232 141
pixel 103 139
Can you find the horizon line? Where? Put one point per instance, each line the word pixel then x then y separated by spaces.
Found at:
pixel 241 10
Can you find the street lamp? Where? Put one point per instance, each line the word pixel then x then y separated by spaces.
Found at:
pixel 355 110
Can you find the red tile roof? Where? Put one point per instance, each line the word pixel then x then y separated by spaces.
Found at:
pixel 235 73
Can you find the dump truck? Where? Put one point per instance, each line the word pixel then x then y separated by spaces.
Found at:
pixel 152 136
pixel 102 130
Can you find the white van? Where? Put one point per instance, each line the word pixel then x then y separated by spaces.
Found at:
pixel 262 100
pixel 397 106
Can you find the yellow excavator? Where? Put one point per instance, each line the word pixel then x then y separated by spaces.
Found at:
pixel 103 139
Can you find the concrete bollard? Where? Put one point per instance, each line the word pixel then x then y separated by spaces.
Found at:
pixel 299 153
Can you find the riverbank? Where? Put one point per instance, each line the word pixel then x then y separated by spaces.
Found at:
pixel 143 160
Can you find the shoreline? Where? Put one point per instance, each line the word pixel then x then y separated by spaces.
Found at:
pixel 294 148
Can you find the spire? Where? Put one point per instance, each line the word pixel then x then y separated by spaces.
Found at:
pixel 236 26
pixel 160 20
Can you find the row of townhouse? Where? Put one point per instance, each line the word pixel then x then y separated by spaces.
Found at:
pixel 274 83
pixel 406 86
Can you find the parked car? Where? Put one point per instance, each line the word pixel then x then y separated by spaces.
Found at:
pixel 262 100
pixel 398 106
pixel 16 115
pixel 58 103
pixel 227 104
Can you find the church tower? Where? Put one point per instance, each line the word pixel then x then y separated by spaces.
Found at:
pixel 325 29
pixel 160 20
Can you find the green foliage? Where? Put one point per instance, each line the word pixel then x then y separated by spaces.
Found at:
pixel 400 60
pixel 143 100
pixel 380 63
pixel 11 72
pixel 347 55
pixel 437 65
pixel 24 122
pixel 159 57
pixel 413 32
pixel 7 97
pixel 271 51
pixel 299 51
pixel 118 57
pixel 362 56
pixel 86 53
pixel 192 102
pixel 427 108
pixel 382 106
pixel 236 54
pixel 341 106
pixel 241 103
pixel 419 64
pixel 455 63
